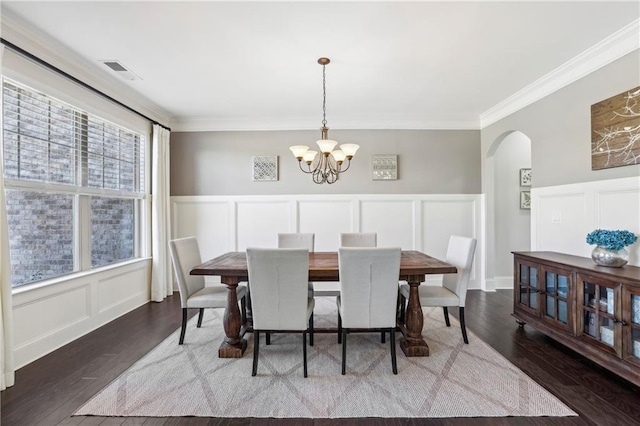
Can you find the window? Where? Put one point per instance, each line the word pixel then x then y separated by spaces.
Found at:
pixel 74 187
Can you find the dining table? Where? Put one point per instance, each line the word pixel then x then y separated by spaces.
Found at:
pixel 323 266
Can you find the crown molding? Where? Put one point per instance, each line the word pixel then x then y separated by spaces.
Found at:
pixel 49 50
pixel 620 43
pixel 205 124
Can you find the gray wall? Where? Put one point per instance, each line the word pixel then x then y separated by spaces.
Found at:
pixel 514 224
pixel 559 126
pixel 429 162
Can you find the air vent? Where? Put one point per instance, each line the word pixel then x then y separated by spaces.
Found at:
pixel 121 70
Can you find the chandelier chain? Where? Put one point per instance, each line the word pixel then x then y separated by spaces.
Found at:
pixel 324 96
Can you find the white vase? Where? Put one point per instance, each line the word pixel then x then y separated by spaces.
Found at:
pixel 609 257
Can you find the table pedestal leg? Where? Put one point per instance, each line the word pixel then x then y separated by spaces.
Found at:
pixel 412 344
pixel 233 345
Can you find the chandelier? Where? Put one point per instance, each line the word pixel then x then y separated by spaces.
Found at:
pixel 328 165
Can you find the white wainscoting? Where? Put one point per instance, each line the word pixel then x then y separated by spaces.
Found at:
pixel 50 316
pixel 414 222
pixel 562 216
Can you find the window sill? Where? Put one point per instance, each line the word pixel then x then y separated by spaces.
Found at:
pixel 75 276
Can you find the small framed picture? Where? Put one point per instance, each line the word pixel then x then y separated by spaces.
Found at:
pixel 265 168
pixel 525 200
pixel 525 177
pixel 384 167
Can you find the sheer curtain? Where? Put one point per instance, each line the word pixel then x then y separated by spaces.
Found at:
pixel 161 282
pixel 6 308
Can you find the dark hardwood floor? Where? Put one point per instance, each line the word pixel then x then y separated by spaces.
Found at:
pixel 50 389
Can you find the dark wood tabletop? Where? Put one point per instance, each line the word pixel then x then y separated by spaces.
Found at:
pixel 323 266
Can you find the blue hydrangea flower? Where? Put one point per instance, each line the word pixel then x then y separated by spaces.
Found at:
pixel 614 240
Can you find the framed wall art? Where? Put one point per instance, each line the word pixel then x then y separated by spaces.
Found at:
pixel 384 167
pixel 525 177
pixel 265 168
pixel 525 200
pixel 615 131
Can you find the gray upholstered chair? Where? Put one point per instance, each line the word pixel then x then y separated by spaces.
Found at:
pixel 359 239
pixel 368 293
pixel 280 300
pixel 185 254
pixel 453 291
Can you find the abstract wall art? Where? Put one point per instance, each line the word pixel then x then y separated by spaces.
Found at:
pixel 615 131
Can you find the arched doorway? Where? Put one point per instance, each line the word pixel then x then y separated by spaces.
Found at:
pixel 508 225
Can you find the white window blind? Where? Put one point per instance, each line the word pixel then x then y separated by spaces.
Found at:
pixel 48 141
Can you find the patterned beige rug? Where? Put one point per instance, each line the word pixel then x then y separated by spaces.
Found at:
pixel 456 380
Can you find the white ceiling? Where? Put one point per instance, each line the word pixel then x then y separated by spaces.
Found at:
pixel 252 65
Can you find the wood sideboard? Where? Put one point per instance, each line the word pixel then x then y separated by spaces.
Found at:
pixel 591 309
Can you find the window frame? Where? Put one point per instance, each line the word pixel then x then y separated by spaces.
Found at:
pixel 82 194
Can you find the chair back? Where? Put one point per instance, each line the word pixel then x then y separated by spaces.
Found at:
pixel 359 239
pixel 279 296
pixel 296 240
pixel 185 254
pixel 460 253
pixel 368 286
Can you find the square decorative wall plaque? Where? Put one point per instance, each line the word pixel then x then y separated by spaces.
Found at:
pixel 525 200
pixel 265 168
pixel 384 167
pixel 525 177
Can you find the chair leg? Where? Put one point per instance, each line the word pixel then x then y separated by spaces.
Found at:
pixel 339 328
pixel 463 326
pixel 268 338
pixel 200 316
pixel 256 344
pixel 304 353
pixel 382 339
pixel 184 326
pixel 394 365
pixel 446 316
pixel 311 330
pixel 344 351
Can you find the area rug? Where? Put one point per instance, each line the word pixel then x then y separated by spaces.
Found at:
pixel 456 380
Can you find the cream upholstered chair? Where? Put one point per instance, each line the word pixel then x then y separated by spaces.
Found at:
pixel 185 254
pixel 453 291
pixel 281 301
pixel 368 293
pixel 298 240
pixel 359 239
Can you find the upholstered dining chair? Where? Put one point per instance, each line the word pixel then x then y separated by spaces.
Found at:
pixel 358 239
pixel 453 291
pixel 185 254
pixel 281 301
pixel 368 293
pixel 298 240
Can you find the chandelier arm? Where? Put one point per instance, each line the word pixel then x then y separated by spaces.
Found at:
pixel 348 165
pixel 303 170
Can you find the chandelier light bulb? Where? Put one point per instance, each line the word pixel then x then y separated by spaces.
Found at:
pixel 309 156
pixel 299 150
pixel 338 155
pixel 349 149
